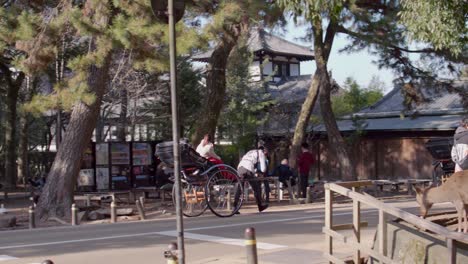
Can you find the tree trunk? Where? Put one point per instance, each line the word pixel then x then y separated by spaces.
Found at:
pixel 216 90
pixel 10 128
pixel 321 85
pixel 335 140
pixel 99 129
pixel 57 195
pixel 303 121
pixel 308 106
pixel 24 122
pixel 23 157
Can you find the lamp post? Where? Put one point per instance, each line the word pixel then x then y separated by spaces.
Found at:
pixel 170 12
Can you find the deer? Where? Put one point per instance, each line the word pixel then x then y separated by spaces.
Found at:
pixel 454 190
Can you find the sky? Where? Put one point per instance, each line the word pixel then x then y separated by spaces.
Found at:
pixel 357 65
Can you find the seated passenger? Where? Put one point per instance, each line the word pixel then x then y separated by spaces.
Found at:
pixel 285 173
pixel 206 150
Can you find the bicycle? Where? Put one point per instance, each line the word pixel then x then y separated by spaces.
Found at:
pixel 203 184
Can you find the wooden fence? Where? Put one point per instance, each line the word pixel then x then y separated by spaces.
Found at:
pixel 331 233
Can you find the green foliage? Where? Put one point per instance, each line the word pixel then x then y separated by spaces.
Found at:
pixel 229 153
pixel 441 23
pixel 190 94
pixel 130 25
pixel 312 9
pixel 228 18
pixel 158 111
pixel 354 98
pixel 247 101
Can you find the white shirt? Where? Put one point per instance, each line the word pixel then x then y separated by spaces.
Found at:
pixel 207 151
pixel 250 158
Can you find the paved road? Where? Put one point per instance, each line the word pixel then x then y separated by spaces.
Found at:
pixel 285 235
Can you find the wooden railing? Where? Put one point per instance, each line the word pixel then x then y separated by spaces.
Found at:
pixel 331 233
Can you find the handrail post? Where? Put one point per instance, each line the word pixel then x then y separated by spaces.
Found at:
pixel 328 219
pixel 357 227
pixel 382 234
pixel 452 251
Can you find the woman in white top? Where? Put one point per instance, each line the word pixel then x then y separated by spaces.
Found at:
pixel 206 148
pixel 460 147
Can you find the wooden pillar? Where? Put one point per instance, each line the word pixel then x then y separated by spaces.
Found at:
pixel 328 220
pixel 382 234
pixel 357 226
pixel 452 251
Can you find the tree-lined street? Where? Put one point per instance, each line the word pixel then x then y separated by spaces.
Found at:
pixel 93 91
pixel 290 234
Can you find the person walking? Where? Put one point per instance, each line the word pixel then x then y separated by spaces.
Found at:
pixel 460 146
pixel 247 169
pixel 304 162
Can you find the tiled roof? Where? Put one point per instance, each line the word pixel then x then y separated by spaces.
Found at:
pixel 399 123
pixel 261 40
pixel 289 95
pixel 434 101
pixel 441 110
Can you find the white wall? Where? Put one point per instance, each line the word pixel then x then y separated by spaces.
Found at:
pixel 267 68
pixel 254 70
pixel 294 69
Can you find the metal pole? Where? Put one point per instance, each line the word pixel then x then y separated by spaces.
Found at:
pixel 251 246
pixel 33 204
pixel 74 211
pixel 32 219
pixel 140 209
pixel 308 195
pixel 113 212
pixel 175 132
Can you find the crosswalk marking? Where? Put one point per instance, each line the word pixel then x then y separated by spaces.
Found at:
pixel 6 257
pixel 222 240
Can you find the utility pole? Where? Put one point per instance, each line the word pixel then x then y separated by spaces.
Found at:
pixel 171 15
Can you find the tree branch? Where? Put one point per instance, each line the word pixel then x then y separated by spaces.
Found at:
pixel 341 29
pixel 329 37
pixel 370 39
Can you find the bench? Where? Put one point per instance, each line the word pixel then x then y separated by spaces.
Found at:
pixel 101 196
pixel 6 190
pixel 396 184
pixel 272 179
pixel 416 183
pixel 162 191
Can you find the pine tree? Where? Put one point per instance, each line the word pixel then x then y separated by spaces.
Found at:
pixel 231 20
pixel 10 32
pixel 441 23
pixel 369 24
pixel 102 28
pixel 246 102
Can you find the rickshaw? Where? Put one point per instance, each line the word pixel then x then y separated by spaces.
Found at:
pixel 203 184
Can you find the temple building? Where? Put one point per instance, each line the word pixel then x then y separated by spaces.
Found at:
pixel 273 56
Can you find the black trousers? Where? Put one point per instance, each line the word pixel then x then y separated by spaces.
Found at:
pixel 303 182
pixel 256 186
